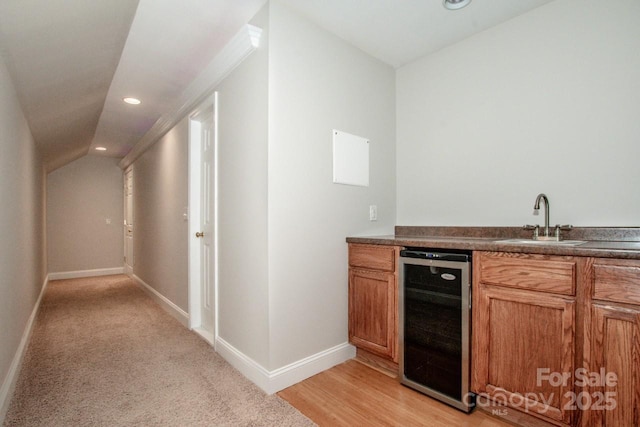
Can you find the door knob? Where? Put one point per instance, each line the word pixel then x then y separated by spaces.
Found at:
pixel 200 234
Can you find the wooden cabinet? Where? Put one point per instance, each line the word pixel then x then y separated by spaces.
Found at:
pixel 524 322
pixel 373 294
pixel 612 347
pixel 555 339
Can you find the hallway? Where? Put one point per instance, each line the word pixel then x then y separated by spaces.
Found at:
pixel 103 353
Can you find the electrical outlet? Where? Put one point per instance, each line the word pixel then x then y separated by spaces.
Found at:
pixel 373 213
pixel 108 221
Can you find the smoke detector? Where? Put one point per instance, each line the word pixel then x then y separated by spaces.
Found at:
pixel 455 4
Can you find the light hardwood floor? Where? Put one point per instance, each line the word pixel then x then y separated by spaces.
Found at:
pixel 353 394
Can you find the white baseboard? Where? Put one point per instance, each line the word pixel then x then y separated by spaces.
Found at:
pixel 181 315
pixel 9 384
pixel 86 273
pixel 295 372
pixel 279 379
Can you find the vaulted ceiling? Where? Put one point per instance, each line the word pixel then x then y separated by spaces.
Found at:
pixel 72 61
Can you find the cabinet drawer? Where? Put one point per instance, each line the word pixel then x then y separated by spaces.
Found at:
pixel 619 283
pixel 533 272
pixel 373 257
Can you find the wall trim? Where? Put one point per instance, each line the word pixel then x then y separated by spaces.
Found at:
pixel 179 314
pixel 86 273
pixel 9 384
pixel 231 55
pixel 279 379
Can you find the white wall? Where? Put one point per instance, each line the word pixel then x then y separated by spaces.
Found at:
pixel 160 230
pixel 242 172
pixel 318 82
pixel 282 222
pixel 81 197
pixel 22 234
pixel 547 102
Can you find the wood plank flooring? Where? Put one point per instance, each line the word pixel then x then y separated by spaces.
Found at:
pixel 353 394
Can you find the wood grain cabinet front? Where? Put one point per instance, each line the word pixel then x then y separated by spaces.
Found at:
pixel 523 335
pixel 373 295
pixel 612 350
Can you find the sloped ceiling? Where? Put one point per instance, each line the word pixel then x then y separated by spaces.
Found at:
pixel 62 55
pixel 168 46
pixel 72 61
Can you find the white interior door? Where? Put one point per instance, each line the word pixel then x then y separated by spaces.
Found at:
pixel 207 251
pixel 202 220
pixel 128 222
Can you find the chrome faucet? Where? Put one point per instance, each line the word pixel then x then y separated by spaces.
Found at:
pixel 536 208
pixel 545 235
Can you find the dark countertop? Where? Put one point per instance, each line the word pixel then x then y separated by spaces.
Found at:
pixel 609 242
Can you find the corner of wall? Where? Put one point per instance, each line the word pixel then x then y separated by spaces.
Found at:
pixel 279 379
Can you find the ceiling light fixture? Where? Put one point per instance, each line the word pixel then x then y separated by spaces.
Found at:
pixel 101 149
pixel 132 101
pixel 455 4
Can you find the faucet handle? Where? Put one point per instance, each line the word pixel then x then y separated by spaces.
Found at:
pixel 565 227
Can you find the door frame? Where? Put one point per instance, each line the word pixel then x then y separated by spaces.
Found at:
pixel 194 217
pixel 128 268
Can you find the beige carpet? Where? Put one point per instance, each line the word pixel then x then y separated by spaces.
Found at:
pixel 103 353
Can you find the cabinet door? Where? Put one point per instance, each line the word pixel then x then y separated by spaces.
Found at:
pixel 372 311
pixel 615 350
pixel 523 343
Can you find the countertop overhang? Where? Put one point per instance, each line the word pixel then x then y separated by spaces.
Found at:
pixel 608 242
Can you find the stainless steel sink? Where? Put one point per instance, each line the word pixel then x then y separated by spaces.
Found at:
pixel 542 242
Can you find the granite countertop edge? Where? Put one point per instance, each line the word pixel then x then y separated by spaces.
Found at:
pixel 622 243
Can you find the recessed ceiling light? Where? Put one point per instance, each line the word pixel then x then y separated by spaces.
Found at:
pixel 455 4
pixel 132 101
pixel 101 149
